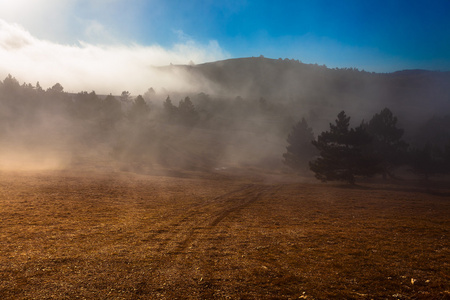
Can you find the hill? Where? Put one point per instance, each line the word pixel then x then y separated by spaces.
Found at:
pixel 238 112
pixel 415 95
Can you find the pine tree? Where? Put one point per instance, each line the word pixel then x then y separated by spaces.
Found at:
pixel 387 145
pixel 139 109
pixel 430 160
pixel 187 113
pixel 170 110
pixel 343 153
pixel 111 112
pixel 300 149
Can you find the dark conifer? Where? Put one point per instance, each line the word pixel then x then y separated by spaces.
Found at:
pixel 387 145
pixel 299 150
pixel 343 153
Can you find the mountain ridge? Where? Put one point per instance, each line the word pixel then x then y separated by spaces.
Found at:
pixel 234 75
pixel 414 95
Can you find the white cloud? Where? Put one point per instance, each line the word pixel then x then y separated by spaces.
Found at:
pixel 67 21
pixel 94 30
pixel 13 36
pixel 103 68
pixel 46 18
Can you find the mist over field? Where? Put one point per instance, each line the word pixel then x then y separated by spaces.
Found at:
pixel 175 193
pixel 165 149
pixel 186 106
pixel 231 113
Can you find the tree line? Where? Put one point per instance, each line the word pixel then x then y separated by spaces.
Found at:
pixel 203 130
pixel 375 147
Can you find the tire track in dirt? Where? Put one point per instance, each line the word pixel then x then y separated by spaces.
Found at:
pixel 209 281
pixel 251 195
pixel 166 243
pixel 222 215
pixel 204 217
pixel 188 222
pixel 173 255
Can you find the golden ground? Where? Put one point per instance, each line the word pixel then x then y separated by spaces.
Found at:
pixel 120 235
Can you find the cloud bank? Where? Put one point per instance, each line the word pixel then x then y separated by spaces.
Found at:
pixel 103 68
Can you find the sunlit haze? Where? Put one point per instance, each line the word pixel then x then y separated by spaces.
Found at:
pixel 110 45
pixel 224 149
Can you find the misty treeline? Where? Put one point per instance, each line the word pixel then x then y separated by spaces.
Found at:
pixel 195 131
pixel 140 132
pixel 375 147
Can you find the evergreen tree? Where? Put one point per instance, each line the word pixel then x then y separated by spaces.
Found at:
pixel 387 145
pixel 431 152
pixel 111 112
pixel 300 149
pixel 430 160
pixel 125 96
pixel 86 105
pixel 57 88
pixel 187 113
pixel 38 87
pixel 139 109
pixel 343 153
pixel 170 110
pixel 149 94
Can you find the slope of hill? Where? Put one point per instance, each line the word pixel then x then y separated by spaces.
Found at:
pixel 239 112
pixel 415 95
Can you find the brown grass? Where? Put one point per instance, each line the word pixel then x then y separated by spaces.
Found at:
pixel 119 235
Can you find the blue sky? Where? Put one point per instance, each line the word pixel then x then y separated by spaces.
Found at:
pixel 350 33
pixel 380 36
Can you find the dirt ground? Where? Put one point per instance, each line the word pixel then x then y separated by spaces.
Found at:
pixel 121 235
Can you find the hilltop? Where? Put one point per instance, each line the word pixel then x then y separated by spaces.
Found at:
pixel 415 95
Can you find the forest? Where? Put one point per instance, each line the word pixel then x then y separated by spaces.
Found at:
pixel 260 129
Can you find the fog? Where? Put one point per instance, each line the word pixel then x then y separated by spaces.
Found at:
pixel 164 112
pixel 103 68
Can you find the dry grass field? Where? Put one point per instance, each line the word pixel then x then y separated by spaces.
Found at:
pixel 121 235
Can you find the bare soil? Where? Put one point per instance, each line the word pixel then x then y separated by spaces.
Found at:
pixel 121 235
